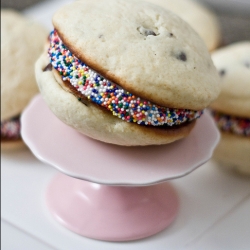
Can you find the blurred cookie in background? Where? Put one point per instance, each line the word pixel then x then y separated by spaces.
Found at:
pixel 198 16
pixel 22 41
pixel 18 4
pixel 231 110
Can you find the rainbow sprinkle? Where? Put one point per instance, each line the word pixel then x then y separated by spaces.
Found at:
pixel 10 129
pixel 112 97
pixel 236 125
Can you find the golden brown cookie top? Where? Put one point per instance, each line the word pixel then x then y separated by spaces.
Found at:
pixel 147 50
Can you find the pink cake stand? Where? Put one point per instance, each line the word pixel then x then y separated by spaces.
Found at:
pixel 110 192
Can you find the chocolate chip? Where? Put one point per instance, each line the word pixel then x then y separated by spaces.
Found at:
pixel 100 36
pixel 146 32
pixel 171 34
pixel 150 33
pixel 182 56
pixel 82 101
pixel 48 67
pixel 222 72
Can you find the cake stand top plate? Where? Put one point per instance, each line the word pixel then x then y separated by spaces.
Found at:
pixel 79 156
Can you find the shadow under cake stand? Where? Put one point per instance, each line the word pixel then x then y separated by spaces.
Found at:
pixel 111 192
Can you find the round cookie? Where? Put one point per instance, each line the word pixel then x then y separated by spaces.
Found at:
pixel 232 108
pixel 22 41
pixel 233 64
pixel 198 16
pixel 144 57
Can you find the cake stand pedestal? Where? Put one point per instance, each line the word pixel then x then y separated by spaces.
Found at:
pixel 111 192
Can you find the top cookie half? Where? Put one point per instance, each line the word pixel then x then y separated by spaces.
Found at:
pixel 145 49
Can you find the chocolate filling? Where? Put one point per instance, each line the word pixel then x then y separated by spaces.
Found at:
pixel 5 139
pixel 83 99
pixel 10 130
pixel 48 67
pixel 80 97
pixel 89 85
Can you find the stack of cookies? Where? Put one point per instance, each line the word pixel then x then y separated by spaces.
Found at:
pixel 232 109
pixel 125 72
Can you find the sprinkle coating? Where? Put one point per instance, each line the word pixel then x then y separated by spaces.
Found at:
pixel 109 95
pixel 10 129
pixel 236 125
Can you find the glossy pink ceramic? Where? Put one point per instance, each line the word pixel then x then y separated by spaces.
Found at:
pixel 123 207
pixel 76 155
pixel 111 213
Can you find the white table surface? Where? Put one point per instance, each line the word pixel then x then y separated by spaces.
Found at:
pixel 214 204
pixel 214 211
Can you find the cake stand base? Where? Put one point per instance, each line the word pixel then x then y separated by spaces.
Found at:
pixel 130 202
pixel 111 213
